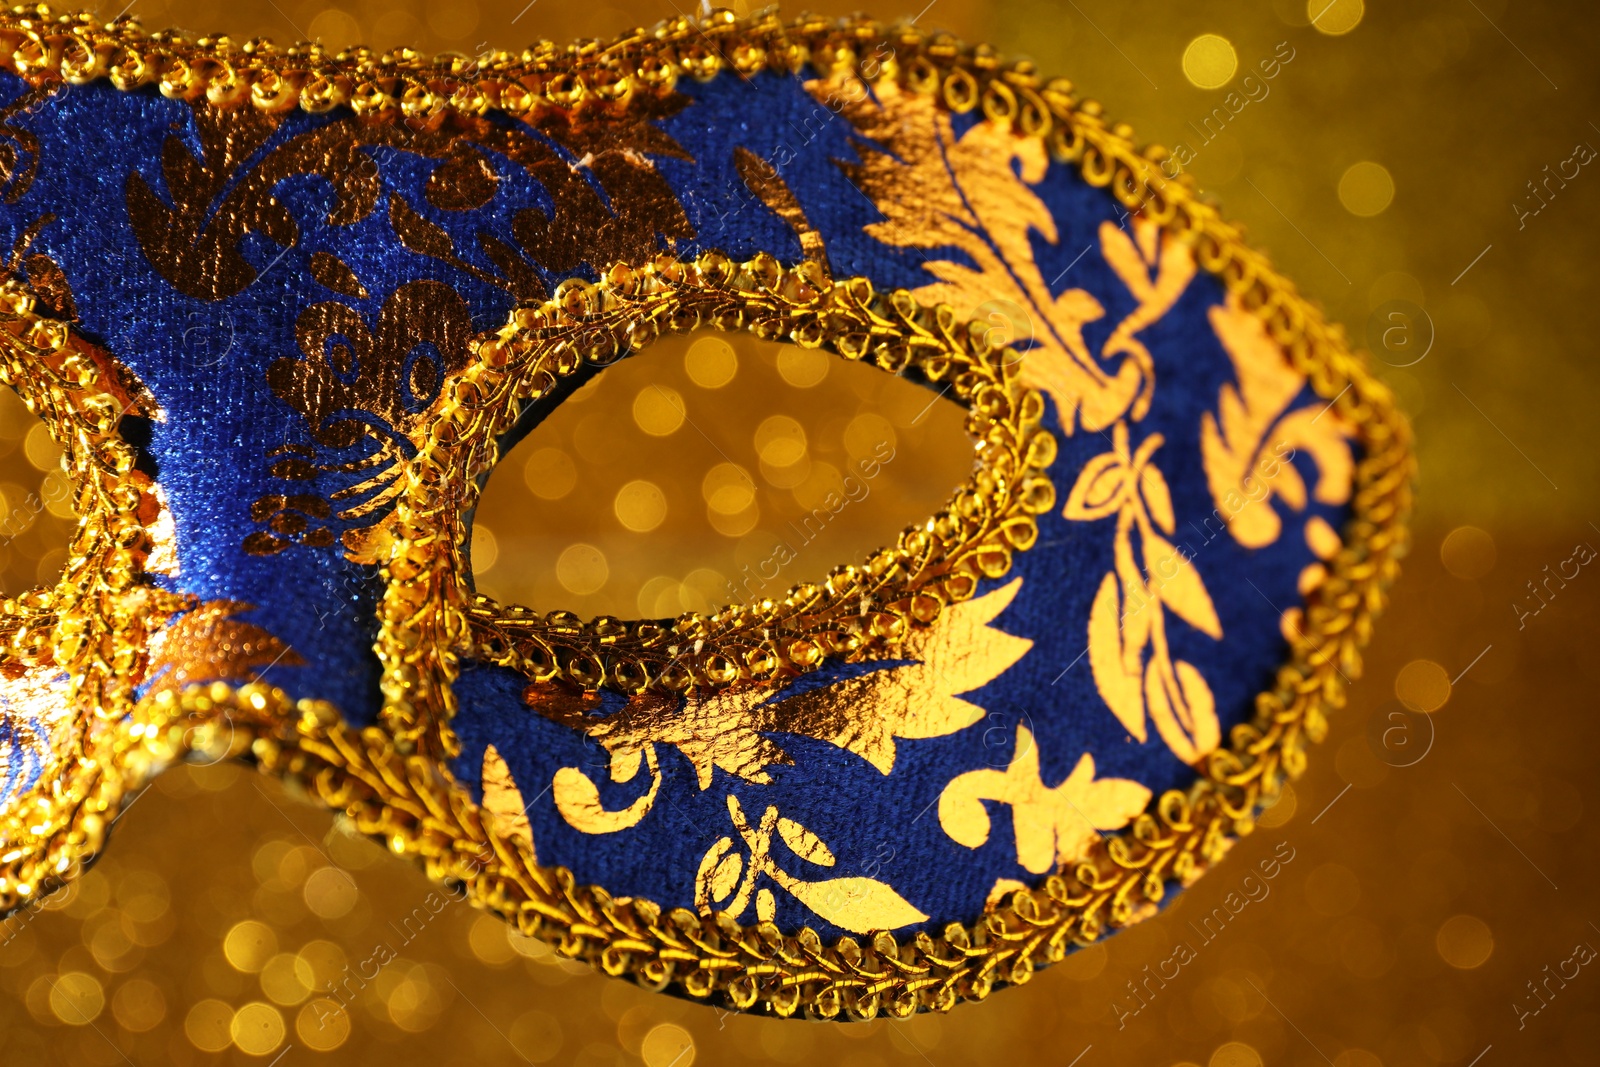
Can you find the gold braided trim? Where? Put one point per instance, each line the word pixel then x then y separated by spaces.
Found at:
pixel 94 624
pixel 390 790
pixel 414 807
pixel 858 612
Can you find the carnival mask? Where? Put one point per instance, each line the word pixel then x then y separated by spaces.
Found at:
pixel 1029 719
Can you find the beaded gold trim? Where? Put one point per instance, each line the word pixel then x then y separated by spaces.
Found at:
pixel 858 612
pixel 93 625
pixel 389 790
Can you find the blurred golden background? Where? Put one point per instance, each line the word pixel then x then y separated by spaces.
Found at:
pixel 1405 166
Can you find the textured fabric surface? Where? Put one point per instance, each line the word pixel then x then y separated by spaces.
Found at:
pixel 220 449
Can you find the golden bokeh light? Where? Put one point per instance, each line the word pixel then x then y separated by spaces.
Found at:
pixel 249 945
pixel 1422 685
pixel 549 473
pixel 1335 17
pixel 780 441
pixel 745 440
pixel 640 505
pixel 667 1045
pixel 728 489
pixel 1366 189
pixel 330 893
pixel 711 362
pixel 1468 552
pixel 209 1025
pixel 322 1024
pixel 485 548
pixel 1235 1054
pixel 582 569
pixel 287 979
pixel 138 1005
pixel 77 998
pixel 803 367
pixel 257 1029
pixel 1465 942
pixel 659 410
pixel 335 28
pixel 1209 61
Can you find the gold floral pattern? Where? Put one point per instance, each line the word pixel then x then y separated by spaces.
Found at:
pixel 1052 823
pixel 731 729
pixel 1248 445
pixel 974 193
pixel 375 776
pixel 1128 617
pixel 729 880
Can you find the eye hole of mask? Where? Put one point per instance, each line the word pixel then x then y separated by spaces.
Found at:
pixel 712 468
pixel 36 516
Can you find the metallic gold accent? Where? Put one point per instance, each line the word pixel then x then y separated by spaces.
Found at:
pixel 763 179
pixel 860 612
pixel 1052 823
pixel 209 643
pixel 855 903
pixel 94 622
pixel 1247 451
pixel 93 626
pixel 974 193
pixel 1128 616
pixel 729 728
pixel 503 800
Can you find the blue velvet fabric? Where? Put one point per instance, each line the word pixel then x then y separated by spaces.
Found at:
pixel 205 362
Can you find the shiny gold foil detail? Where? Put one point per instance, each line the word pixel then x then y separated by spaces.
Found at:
pixel 1247 446
pixel 97 621
pixel 729 880
pixel 763 179
pixel 731 729
pixel 1128 616
pixel 1052 823
pixel 209 643
pixel 974 193
pixel 503 800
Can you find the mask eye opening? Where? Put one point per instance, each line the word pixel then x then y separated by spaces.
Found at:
pixel 860 610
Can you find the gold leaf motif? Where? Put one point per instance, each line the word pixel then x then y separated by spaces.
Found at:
pixel 1119 687
pixel 577 798
pixel 1128 616
pixel 763 179
pixel 962 652
pixel 974 193
pixel 209 644
pixel 1247 445
pixel 860 905
pixel 1052 824
pixel 804 843
pixel 855 903
pixel 502 798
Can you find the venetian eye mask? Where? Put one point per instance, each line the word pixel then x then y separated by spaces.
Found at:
pixel 285 311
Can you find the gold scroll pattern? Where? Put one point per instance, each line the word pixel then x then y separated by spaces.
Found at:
pixel 1128 649
pixel 1246 446
pixel 729 880
pixel 974 193
pixel 1052 824
pixel 728 729
pixel 503 799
